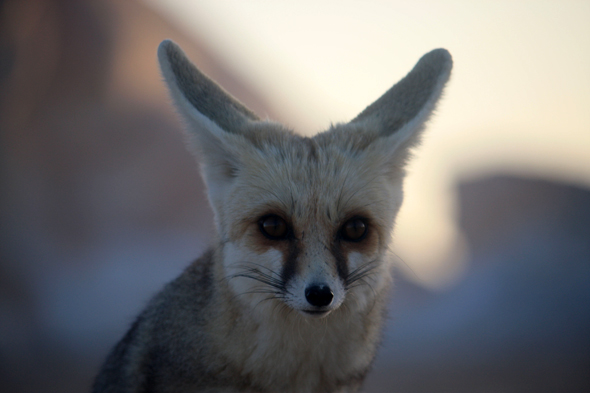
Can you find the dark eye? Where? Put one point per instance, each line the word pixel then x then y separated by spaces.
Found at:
pixel 273 227
pixel 354 229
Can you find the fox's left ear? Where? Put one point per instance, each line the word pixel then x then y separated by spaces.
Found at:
pixel 399 115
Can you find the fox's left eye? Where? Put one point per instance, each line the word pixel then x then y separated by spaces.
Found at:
pixel 273 227
pixel 354 230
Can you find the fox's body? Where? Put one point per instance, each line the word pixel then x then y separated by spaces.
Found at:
pixel 292 297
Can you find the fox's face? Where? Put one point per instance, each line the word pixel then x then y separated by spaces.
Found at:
pixel 305 223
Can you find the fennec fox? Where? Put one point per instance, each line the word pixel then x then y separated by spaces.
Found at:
pixel 291 297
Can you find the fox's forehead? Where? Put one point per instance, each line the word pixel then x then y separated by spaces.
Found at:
pixel 307 179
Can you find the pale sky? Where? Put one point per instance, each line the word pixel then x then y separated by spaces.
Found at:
pixel 518 101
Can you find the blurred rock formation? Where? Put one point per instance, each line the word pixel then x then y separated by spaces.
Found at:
pixel 519 321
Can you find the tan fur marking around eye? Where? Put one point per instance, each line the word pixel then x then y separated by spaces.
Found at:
pixel 370 244
pixel 260 244
pixel 247 231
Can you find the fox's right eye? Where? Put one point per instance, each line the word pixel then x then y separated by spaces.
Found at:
pixel 273 227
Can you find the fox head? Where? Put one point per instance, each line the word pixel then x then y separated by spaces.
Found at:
pixel 305 222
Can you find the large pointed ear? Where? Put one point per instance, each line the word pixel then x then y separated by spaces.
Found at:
pixel 188 85
pixel 398 116
pixel 214 119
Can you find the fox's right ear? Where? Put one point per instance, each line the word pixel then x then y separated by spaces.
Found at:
pixel 214 119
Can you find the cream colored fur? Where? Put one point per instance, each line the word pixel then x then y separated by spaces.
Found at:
pixel 240 319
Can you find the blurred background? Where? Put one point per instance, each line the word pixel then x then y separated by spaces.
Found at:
pixel 101 204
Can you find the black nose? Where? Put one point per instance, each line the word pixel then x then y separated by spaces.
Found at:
pixel 319 295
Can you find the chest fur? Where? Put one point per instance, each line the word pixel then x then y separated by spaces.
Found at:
pixel 296 354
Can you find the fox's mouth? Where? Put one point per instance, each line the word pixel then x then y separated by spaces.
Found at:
pixel 317 313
